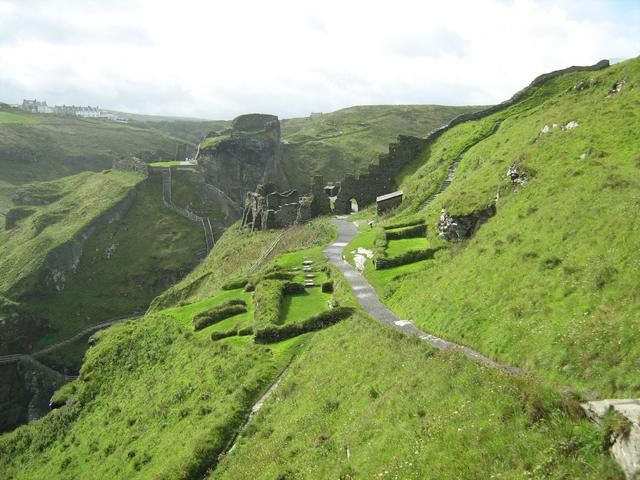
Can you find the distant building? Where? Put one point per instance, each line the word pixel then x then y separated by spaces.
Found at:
pixel 34 106
pixel 85 112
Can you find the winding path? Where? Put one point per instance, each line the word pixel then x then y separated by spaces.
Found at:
pixel 453 168
pixel 371 304
pixel 32 357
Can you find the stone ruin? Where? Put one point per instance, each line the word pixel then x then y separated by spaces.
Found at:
pixel 460 227
pixel 267 208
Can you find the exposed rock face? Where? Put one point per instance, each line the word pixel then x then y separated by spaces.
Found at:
pixel 15 215
pixel 24 394
pixel 460 227
pixel 625 448
pixel 131 164
pixel 266 208
pixel 247 156
pixel 517 175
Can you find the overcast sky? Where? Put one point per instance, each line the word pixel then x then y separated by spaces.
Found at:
pixel 217 60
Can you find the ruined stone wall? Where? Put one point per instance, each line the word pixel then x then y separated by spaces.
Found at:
pixel 130 164
pixel 380 178
pixel 249 157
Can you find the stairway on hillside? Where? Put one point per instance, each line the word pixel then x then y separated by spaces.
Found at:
pixel 204 221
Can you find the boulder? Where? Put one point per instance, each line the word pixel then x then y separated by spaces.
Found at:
pixel 625 448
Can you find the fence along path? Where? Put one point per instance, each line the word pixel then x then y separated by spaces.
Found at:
pixel 204 221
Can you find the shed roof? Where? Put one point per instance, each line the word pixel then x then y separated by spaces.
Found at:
pixel 387 196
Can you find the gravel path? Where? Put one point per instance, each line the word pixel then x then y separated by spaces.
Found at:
pixel 371 304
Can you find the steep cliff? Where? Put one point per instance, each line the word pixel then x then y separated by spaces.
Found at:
pixel 248 154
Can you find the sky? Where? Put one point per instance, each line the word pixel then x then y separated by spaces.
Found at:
pixel 217 60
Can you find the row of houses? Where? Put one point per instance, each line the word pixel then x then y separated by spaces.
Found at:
pixel 35 106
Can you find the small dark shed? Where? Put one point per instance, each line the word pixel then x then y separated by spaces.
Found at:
pixel 389 201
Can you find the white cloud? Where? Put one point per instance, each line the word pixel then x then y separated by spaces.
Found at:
pixel 220 59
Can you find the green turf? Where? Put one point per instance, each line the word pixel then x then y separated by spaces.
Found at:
pixel 363 402
pixel 396 247
pixel 84 198
pixel 550 283
pixel 124 266
pixel 301 306
pixel 168 163
pixel 146 389
pixel 186 313
pixel 10 117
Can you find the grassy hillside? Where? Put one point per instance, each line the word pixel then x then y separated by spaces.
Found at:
pixel 362 401
pixel 347 141
pixel 76 202
pixel 38 147
pixel 550 282
pixel 124 265
pixel 162 386
pixel 156 385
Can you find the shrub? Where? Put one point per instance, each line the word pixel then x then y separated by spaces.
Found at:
pixel 327 287
pixel 406 223
pixel 614 426
pixel 220 312
pixel 234 283
pixel 291 288
pixel 275 333
pixel 409 232
pixel 267 299
pixel 411 256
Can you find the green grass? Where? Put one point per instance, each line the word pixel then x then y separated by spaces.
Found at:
pixel 396 247
pixel 147 388
pixel 550 283
pixel 349 140
pixel 11 117
pixel 45 147
pixel 154 386
pixel 24 248
pixel 235 253
pixel 186 313
pixel 301 306
pixel 362 401
pixel 124 265
pixel 168 163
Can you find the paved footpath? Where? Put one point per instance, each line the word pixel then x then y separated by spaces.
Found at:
pixel 371 304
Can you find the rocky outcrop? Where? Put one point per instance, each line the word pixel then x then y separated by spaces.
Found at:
pixel 16 214
pixel 517 174
pixel 267 208
pixel 25 391
pixel 625 442
pixel 460 227
pixel 131 164
pixel 247 156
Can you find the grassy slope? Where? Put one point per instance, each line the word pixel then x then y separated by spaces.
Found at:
pixel 364 402
pixel 42 147
pixel 348 140
pixel 124 266
pixel 550 283
pixel 147 389
pixel 86 196
pixel 153 386
pixel 235 253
